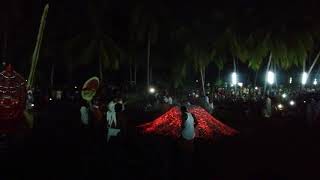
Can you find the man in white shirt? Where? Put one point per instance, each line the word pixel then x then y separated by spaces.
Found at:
pixel 84 111
pixel 170 100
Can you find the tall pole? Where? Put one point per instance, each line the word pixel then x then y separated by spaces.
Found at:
pixel 36 52
pixel 148 59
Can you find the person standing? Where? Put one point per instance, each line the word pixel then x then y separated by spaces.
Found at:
pixel 268 111
pixel 186 142
pixel 189 123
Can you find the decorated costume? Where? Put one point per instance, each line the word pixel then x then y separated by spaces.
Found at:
pixel 12 100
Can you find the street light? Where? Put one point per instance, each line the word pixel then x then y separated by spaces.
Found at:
pixel 284 95
pixel 270 77
pixel 234 78
pixel 292 103
pixel 152 90
pixel 304 78
pixel 315 82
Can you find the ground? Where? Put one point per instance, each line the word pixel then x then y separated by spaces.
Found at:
pixel 265 149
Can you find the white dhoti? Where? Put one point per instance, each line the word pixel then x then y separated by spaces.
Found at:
pixel 112 132
pixel 112 120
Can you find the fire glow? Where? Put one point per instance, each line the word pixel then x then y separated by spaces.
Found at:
pixel 169 124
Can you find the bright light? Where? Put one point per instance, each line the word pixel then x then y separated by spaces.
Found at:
pixel 270 77
pixel 197 95
pixel 32 105
pixel 304 78
pixel 292 103
pixel 50 99
pixel 280 106
pixel 240 84
pixel 315 82
pixel 256 88
pixel 197 81
pixel 152 90
pixel 284 95
pixel 234 78
pixel 75 87
pixel 290 80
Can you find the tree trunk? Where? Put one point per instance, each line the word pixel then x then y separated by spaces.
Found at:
pixel 148 59
pixel 219 75
pixel 52 75
pixel 234 65
pixel 202 80
pixel 314 63
pixel 135 73
pixel 151 74
pixel 100 69
pixel 255 78
pixel 268 67
pixel 130 74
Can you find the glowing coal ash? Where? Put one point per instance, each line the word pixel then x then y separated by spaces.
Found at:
pixel 169 124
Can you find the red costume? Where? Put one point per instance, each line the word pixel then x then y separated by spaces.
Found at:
pixel 12 100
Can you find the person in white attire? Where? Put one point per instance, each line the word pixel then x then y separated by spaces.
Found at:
pixel 170 100
pixel 112 119
pixel 268 108
pixel 188 129
pixel 188 133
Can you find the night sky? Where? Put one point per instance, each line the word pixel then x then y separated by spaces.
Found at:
pixel 19 23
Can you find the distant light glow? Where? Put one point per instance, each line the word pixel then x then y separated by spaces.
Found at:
pixel 152 90
pixel 292 103
pixel 75 87
pixel 197 95
pixel 234 78
pixel 270 77
pixel 284 95
pixel 32 105
pixel 197 80
pixel 315 82
pixel 50 99
pixel 290 80
pixel 280 106
pixel 304 78
pixel 240 84
pixel 256 88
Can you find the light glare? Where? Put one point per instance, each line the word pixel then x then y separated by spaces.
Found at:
pixel 304 78
pixel 234 78
pixel 270 77
pixel 315 82
pixel 292 103
pixel 152 90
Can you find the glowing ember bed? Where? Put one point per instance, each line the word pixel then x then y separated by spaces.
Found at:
pixel 169 124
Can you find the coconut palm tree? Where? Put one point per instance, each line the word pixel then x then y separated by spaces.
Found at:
pixel 95 44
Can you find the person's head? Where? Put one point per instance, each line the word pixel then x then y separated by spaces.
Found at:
pixel 183 109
